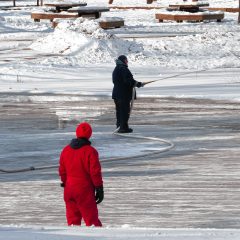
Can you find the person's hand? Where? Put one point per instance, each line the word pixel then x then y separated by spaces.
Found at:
pixel 99 194
pixel 139 84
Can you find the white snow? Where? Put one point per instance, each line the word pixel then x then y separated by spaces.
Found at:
pixel 123 233
pixel 77 58
pixel 64 2
pixel 190 3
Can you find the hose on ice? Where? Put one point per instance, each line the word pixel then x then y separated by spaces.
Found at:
pixel 169 146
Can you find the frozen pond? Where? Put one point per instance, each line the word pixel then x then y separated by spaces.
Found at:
pixel 193 185
pixel 52 80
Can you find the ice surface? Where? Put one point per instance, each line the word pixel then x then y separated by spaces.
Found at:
pixel 52 79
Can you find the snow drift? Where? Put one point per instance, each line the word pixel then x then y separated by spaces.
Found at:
pixel 86 42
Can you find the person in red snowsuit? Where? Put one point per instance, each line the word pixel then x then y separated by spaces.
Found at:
pixel 80 173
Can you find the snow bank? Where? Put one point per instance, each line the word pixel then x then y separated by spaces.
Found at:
pixel 86 41
pixel 213 46
pixel 83 42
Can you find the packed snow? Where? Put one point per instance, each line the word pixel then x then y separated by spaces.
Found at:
pixel 76 59
pixel 86 42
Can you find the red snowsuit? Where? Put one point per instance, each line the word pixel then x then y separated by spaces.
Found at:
pixel 80 172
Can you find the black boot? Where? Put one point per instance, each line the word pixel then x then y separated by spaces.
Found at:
pixel 126 130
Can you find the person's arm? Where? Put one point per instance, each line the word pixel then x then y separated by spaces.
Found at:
pixel 95 169
pixel 96 176
pixel 129 80
pixel 62 171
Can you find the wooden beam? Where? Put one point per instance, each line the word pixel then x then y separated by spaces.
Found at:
pixel 51 16
pixel 188 17
pixel 233 10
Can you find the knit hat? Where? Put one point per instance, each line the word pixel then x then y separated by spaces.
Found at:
pixel 84 130
pixel 122 58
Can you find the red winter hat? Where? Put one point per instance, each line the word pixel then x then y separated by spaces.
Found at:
pixel 84 130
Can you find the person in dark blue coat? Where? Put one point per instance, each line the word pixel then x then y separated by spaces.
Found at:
pixel 122 92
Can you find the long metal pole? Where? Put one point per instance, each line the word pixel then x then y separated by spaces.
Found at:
pixel 177 75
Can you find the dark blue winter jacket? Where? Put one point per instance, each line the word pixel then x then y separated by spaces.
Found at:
pixel 123 82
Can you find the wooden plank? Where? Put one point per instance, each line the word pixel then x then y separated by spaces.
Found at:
pixel 111 24
pixel 189 17
pixel 233 10
pixel 37 16
pixel 162 16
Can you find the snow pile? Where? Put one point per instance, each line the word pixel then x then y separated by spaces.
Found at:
pixel 82 42
pixel 86 42
pixel 19 22
pixel 213 48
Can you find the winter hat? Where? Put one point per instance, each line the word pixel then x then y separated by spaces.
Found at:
pixel 84 130
pixel 122 58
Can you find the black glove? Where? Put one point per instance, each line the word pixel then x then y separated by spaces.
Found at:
pixel 62 184
pixel 99 194
pixel 139 84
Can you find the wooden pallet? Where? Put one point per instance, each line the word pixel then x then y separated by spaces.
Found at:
pixel 37 16
pixel 189 17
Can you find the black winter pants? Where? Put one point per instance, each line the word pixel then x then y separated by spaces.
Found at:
pixel 122 113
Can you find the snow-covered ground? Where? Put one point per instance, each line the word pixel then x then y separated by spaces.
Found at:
pixel 42 233
pixel 46 73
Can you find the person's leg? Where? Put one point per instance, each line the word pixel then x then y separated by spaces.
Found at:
pixel 124 115
pixel 88 209
pixel 90 217
pixel 73 215
pixel 117 107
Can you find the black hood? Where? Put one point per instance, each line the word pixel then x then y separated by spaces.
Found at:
pixel 79 142
pixel 120 63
